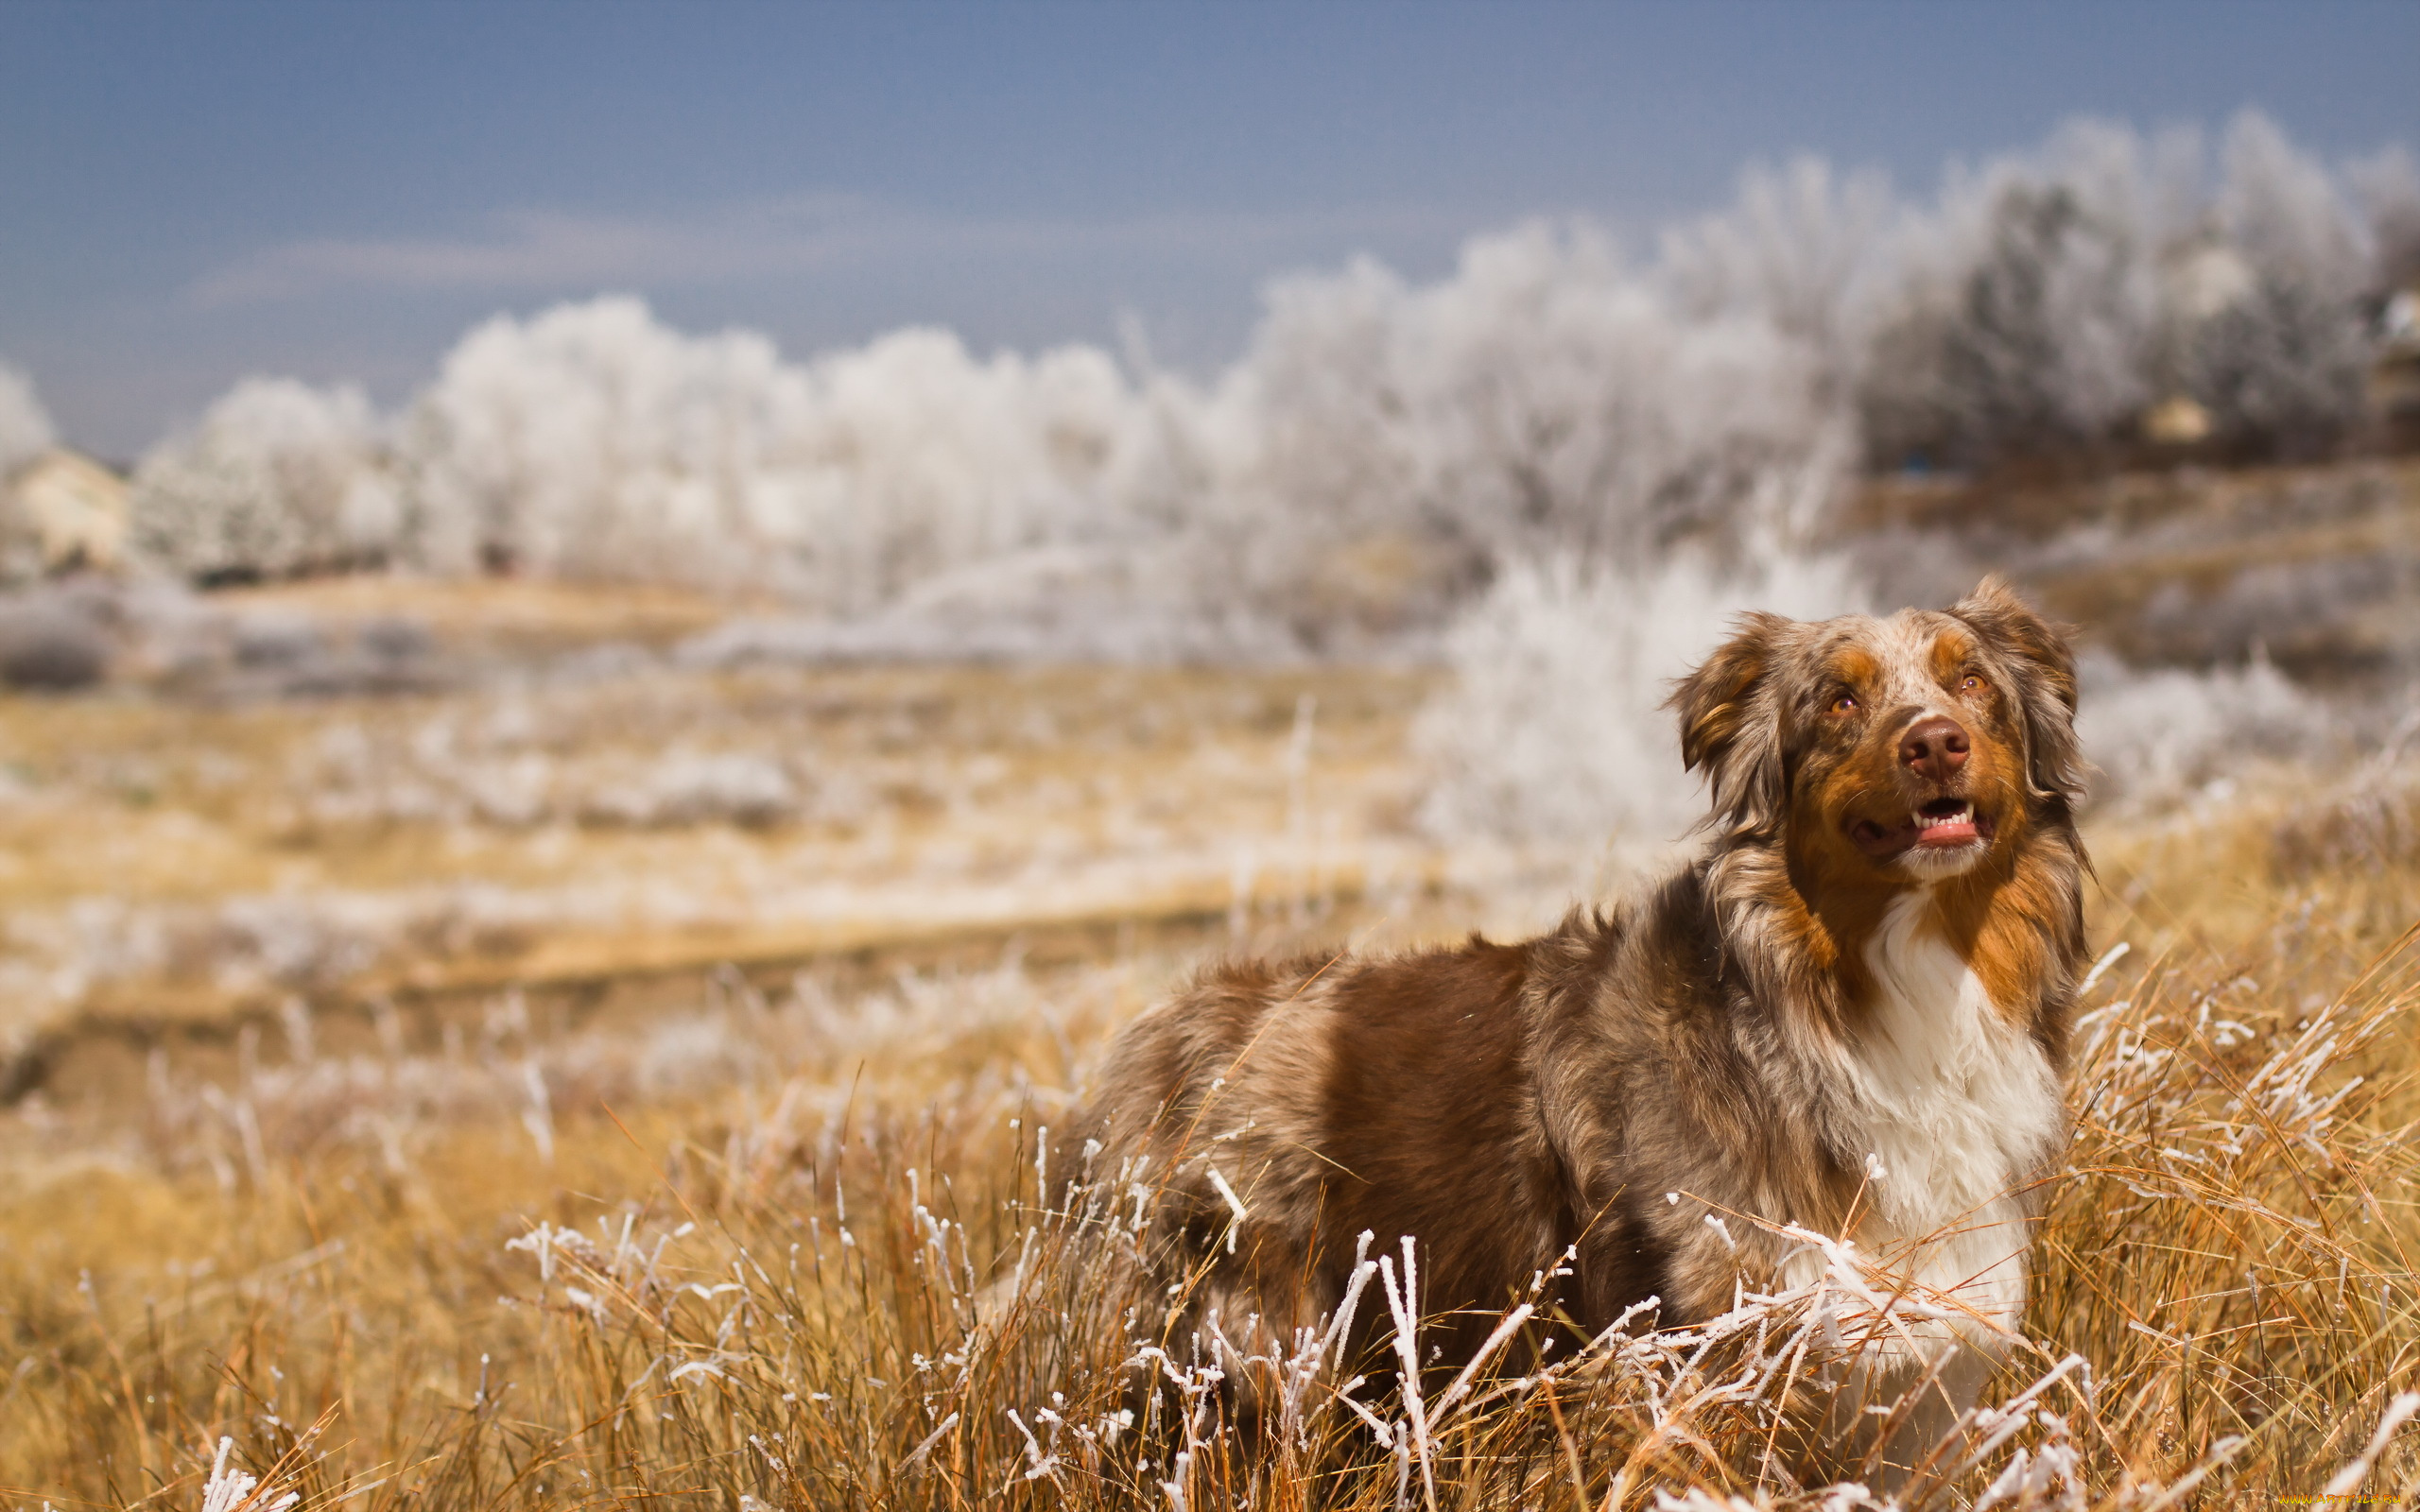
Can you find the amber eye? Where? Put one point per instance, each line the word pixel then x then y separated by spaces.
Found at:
pixel 1844 704
pixel 1971 683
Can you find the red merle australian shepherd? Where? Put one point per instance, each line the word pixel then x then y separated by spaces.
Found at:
pixel 1848 1012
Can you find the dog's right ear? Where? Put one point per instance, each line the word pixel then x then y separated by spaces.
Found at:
pixel 1731 726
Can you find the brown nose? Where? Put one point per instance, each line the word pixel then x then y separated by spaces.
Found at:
pixel 1935 747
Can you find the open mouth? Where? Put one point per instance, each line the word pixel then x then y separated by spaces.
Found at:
pixel 1944 824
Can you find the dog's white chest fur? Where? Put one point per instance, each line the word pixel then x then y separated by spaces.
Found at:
pixel 1956 1107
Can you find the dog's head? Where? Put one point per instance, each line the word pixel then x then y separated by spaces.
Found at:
pixel 1904 748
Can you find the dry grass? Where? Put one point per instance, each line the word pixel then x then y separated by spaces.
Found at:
pixel 585 807
pixel 733 1253
pixel 501 616
pixel 411 1236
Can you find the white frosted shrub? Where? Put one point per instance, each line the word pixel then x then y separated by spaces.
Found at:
pixel 25 426
pixel 2048 299
pixel 2389 186
pixel 277 478
pixel 1813 253
pixel 934 460
pixel 594 442
pixel 2282 365
pixel 1553 729
pixel 2287 214
pixel 2281 368
pixel 2160 736
pixel 1546 397
pixel 2031 316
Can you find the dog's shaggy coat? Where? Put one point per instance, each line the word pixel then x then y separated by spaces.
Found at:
pixel 1849 1011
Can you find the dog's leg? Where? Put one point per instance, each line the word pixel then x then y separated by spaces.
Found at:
pixel 1896 1415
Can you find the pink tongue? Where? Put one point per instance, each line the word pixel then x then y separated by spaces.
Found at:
pixel 1957 832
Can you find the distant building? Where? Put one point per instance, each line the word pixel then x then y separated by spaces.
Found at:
pixel 2177 421
pixel 60 512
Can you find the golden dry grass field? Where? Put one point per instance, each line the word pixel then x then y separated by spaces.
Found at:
pixel 383 1103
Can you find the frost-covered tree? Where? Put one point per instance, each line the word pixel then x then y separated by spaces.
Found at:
pixel 2287 214
pixel 2389 186
pixel 1544 397
pixel 2049 348
pixel 278 478
pixel 2281 367
pixel 2048 299
pixel 914 459
pixel 2030 320
pixel 592 442
pixel 1812 252
pixel 25 426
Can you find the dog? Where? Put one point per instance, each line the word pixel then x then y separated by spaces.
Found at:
pixel 1847 1011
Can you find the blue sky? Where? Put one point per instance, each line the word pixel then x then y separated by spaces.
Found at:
pixel 193 192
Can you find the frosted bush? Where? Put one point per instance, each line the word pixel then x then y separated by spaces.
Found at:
pixel 2389 186
pixel 1546 397
pixel 25 426
pixel 2160 736
pixel 1637 460
pixel 278 478
pixel 592 438
pixel 1812 252
pixel 2287 214
pixel 2282 365
pixel 594 442
pixel 2056 324
pixel 2031 315
pixel 2049 300
pixel 1554 730
pixel 921 459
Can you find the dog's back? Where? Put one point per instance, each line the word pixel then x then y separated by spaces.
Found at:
pixel 1282 1111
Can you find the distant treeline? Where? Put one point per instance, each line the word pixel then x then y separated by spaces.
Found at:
pixel 1380 449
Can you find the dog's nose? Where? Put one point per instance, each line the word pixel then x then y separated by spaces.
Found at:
pixel 1935 747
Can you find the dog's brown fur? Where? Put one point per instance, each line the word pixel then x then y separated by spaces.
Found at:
pixel 1506 1102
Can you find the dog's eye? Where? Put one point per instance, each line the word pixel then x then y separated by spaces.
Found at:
pixel 1845 703
pixel 1970 683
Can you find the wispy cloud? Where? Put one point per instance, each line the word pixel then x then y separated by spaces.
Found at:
pixel 536 249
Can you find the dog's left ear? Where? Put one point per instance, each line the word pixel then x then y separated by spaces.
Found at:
pixel 1731 726
pixel 2037 651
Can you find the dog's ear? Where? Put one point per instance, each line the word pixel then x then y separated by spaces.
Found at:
pixel 1731 726
pixel 2037 651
